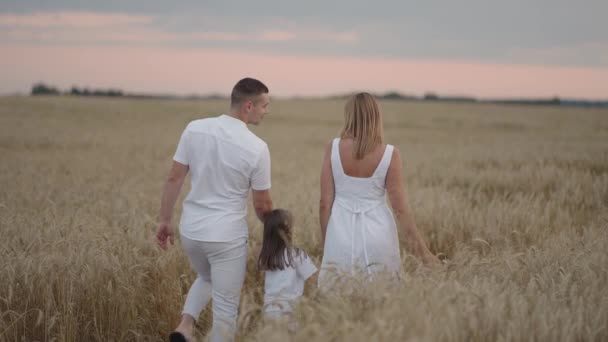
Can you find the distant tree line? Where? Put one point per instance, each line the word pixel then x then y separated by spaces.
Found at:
pixel 434 97
pixel 95 92
pixel 43 89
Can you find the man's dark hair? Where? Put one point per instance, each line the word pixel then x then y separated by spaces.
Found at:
pixel 245 89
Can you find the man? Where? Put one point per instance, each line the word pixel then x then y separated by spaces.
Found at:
pixel 226 160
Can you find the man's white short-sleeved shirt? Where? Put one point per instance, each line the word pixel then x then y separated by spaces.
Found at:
pixel 225 159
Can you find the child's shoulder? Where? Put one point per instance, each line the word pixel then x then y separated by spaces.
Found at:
pixel 299 253
pixel 304 265
pixel 300 256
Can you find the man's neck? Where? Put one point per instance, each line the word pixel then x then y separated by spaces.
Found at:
pixel 238 116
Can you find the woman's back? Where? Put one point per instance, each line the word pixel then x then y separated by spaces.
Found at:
pixel 359 168
pixel 360 182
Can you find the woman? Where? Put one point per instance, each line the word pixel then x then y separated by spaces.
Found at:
pixel 358 229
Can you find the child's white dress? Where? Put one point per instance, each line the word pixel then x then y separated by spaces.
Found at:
pixel 282 288
pixel 361 233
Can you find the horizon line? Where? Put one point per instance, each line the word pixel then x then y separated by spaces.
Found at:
pixel 391 95
pixel 338 94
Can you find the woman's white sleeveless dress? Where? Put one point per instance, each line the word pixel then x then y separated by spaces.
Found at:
pixel 361 233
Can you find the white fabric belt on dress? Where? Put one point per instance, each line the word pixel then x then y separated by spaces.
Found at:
pixel 358 209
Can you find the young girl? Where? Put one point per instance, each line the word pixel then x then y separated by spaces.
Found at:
pixel 286 267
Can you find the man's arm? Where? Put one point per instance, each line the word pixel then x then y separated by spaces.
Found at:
pixel 262 203
pixel 171 191
pixel 260 185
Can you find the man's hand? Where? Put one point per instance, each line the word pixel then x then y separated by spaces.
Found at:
pixel 164 234
pixel 262 203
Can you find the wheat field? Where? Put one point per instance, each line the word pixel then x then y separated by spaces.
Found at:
pixel 514 198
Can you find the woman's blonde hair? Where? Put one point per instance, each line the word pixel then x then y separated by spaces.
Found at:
pixel 362 123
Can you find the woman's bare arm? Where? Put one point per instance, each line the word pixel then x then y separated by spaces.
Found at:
pixel 398 200
pixel 327 192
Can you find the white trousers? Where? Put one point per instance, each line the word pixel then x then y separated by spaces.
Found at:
pixel 221 270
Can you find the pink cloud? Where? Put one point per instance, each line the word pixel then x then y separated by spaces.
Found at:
pixel 184 71
pixel 132 35
pixel 594 51
pixel 74 20
pixel 94 28
pixel 279 36
pixel 309 35
pixel 347 37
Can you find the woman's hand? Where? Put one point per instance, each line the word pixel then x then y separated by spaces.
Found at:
pixel 430 260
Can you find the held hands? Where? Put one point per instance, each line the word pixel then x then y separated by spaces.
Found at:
pixel 164 235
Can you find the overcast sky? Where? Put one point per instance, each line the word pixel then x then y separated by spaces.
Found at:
pixel 479 48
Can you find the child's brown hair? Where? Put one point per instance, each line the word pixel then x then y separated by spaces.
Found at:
pixel 277 251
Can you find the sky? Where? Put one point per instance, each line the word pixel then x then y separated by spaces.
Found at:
pixel 486 49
